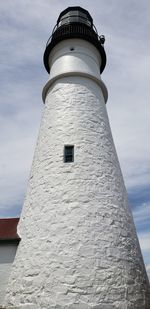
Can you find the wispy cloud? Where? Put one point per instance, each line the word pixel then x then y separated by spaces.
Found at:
pixel 142 215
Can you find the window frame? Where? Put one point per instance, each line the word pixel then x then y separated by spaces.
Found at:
pixel 71 155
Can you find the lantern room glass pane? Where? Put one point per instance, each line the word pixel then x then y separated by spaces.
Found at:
pixel 74 16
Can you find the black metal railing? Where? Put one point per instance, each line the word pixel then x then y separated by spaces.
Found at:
pixel 71 28
pixel 75 29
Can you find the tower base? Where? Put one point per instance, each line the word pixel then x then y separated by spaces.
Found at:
pixel 85 306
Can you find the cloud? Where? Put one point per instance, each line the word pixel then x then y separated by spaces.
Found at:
pixel 142 214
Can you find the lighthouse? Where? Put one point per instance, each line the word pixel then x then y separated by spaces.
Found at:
pixel 78 248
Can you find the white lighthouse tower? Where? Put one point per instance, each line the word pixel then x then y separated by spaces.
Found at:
pixel 79 248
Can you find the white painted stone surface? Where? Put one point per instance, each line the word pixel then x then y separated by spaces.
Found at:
pixel 72 55
pixel 7 255
pixel 83 60
pixel 79 248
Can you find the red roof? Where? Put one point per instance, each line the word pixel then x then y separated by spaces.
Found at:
pixel 8 229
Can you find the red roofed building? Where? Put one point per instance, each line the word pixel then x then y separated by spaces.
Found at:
pixel 9 240
pixel 8 230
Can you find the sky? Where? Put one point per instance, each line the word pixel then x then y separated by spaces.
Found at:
pixel 25 27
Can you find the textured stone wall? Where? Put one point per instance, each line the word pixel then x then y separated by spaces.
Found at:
pixel 79 248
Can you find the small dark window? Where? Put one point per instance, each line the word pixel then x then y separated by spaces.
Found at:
pixel 68 153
